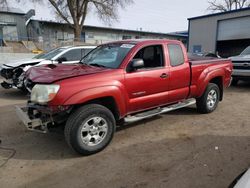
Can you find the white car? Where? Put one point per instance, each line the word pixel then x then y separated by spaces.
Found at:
pixel 13 72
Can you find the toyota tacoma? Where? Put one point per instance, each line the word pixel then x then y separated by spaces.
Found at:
pixel 124 81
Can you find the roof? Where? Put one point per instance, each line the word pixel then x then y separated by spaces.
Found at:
pixel 141 41
pixel 79 46
pixel 220 13
pixel 11 10
pixel 176 34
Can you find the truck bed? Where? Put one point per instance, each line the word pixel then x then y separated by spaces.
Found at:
pixel 201 68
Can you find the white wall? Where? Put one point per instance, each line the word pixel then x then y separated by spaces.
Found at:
pixel 8 57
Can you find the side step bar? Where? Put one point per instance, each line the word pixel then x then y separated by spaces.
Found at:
pixel 158 111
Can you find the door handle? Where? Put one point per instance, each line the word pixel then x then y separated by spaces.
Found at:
pixel 164 75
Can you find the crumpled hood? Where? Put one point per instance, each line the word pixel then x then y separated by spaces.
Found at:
pixel 52 73
pixel 240 58
pixel 18 63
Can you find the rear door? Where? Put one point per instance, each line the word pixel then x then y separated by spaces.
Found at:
pixel 179 73
pixel 147 87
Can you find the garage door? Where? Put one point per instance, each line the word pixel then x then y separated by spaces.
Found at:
pixel 234 29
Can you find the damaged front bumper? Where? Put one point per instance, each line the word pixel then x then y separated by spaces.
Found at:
pixel 39 118
pixel 35 124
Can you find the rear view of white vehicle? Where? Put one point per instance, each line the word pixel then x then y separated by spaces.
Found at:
pixel 13 72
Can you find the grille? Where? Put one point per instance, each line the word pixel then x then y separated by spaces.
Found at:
pixel 241 65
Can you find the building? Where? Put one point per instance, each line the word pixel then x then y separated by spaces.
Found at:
pixel 20 33
pixel 12 24
pixel 56 31
pixel 226 33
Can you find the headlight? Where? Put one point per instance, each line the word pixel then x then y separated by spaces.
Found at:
pixel 44 93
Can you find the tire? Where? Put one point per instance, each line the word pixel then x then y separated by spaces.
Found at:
pixel 208 102
pixel 90 129
pixel 235 82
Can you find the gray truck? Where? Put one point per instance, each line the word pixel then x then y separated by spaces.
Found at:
pixel 241 66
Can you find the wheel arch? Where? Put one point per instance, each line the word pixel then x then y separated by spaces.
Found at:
pixel 109 102
pixel 219 82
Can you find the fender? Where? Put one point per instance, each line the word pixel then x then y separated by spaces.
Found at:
pixel 206 77
pixel 100 92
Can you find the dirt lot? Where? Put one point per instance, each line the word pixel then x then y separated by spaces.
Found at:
pixel 179 149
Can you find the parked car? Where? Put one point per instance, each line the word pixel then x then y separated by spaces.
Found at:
pixel 13 72
pixel 121 81
pixel 241 66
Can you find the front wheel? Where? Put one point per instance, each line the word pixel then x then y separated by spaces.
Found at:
pixel 208 102
pixel 90 129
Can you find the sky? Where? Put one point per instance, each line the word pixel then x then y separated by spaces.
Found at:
pixel 149 15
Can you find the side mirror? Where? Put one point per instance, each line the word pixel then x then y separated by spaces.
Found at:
pixel 61 59
pixel 136 64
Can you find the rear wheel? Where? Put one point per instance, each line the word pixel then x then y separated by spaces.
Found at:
pixel 208 102
pixel 90 129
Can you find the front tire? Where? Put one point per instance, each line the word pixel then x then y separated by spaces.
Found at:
pixel 208 102
pixel 90 129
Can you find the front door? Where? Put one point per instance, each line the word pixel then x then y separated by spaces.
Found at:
pixel 147 87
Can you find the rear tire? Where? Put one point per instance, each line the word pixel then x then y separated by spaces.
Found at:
pixel 208 102
pixel 90 129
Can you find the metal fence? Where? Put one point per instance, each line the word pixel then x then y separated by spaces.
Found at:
pixel 48 43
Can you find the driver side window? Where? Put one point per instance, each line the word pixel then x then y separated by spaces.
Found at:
pixel 152 56
pixel 72 55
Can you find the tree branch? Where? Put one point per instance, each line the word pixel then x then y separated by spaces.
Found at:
pixel 53 3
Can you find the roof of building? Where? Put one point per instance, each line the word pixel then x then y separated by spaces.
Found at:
pixel 220 13
pixel 180 33
pixel 11 10
pixel 175 34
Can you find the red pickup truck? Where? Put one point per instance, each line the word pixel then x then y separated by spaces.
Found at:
pixel 123 81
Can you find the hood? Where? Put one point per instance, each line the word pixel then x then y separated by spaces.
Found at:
pixel 18 63
pixel 240 58
pixel 52 73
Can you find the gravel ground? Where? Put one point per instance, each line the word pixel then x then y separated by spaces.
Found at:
pixel 180 149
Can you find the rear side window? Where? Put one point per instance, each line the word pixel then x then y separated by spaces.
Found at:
pixel 176 55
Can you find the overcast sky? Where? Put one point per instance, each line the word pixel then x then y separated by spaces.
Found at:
pixel 150 15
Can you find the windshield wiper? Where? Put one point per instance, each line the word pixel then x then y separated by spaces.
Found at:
pixel 97 65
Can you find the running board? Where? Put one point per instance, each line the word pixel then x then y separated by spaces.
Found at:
pixel 158 111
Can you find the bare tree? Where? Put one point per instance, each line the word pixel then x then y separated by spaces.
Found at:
pixel 74 12
pixel 227 5
pixel 3 3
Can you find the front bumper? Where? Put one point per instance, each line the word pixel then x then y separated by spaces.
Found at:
pixel 35 124
pixel 243 73
pixel 39 118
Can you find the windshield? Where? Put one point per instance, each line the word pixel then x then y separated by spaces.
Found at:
pixel 109 55
pixel 49 55
pixel 246 51
pixel 39 56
